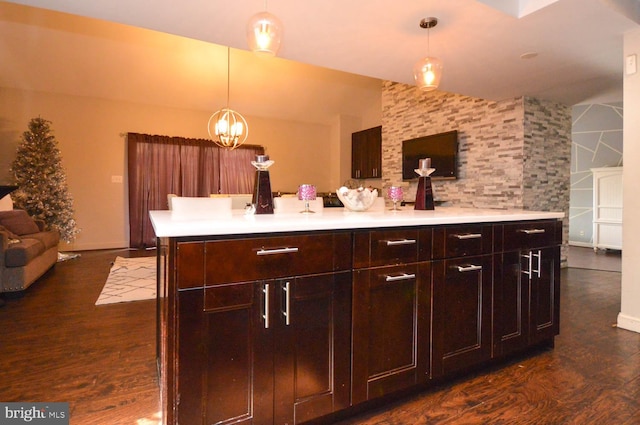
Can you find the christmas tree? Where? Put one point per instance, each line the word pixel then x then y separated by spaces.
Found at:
pixel 42 183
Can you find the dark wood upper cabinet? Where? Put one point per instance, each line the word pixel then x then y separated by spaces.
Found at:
pixel 366 154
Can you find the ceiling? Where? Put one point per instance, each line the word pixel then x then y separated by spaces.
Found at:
pixel 577 45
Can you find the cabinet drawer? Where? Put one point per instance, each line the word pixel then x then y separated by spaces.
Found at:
pixel 461 241
pixel 240 260
pixel 532 234
pixel 388 247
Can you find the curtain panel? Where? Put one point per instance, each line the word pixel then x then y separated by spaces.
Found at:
pixel 160 165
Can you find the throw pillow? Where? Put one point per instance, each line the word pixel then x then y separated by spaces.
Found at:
pixel 18 222
pixel 6 203
pixel 9 233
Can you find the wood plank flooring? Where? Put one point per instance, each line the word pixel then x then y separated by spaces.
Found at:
pixel 56 345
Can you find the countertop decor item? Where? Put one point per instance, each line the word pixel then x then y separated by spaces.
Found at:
pixel 306 193
pixel 262 195
pixel 395 193
pixel 360 199
pixel 424 194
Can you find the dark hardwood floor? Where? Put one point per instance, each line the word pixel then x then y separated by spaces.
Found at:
pixel 56 345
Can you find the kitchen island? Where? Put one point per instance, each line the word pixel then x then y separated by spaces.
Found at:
pixel 300 318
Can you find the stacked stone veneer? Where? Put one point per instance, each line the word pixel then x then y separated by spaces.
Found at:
pixel 513 153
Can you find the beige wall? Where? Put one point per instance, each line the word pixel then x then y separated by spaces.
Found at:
pixel 90 133
pixel 629 317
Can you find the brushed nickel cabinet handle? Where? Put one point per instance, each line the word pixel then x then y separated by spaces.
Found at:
pixel 403 276
pixel 467 236
pixel 401 242
pixel 531 231
pixel 468 268
pixel 529 257
pixel 287 303
pixel 265 315
pixel 277 251
pixel 539 257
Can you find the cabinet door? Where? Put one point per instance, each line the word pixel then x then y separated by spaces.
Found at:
pixel 511 304
pixel 230 359
pixel 391 321
pixel 526 298
pixel 462 313
pixel 312 340
pixel 366 153
pixel 545 295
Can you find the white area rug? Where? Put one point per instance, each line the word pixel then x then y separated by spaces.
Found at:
pixel 130 279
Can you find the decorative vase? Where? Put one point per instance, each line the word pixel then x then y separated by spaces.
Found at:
pixel 262 195
pixel 424 194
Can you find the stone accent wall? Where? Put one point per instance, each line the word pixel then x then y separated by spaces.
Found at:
pixel 490 144
pixel 547 158
pixel 514 153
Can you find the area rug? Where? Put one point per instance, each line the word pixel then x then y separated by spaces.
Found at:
pixel 130 279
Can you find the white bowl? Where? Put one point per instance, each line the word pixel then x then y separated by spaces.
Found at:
pixel 359 199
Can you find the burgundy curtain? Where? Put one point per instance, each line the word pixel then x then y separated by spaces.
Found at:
pixel 160 165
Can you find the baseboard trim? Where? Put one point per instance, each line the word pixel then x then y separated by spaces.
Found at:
pixel 93 246
pixel 628 322
pixel 582 244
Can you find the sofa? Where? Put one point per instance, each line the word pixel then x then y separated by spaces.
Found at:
pixel 27 250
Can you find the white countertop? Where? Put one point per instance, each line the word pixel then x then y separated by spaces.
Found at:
pixel 170 224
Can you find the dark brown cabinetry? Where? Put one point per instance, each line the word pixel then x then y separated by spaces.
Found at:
pixel 366 153
pixel 461 298
pixel 266 350
pixel 526 284
pixel 391 312
pixel 292 328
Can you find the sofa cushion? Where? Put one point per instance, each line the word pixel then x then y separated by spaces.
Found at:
pixel 20 253
pixel 9 233
pixel 48 239
pixel 18 222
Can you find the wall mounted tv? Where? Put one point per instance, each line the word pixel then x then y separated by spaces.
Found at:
pixel 442 148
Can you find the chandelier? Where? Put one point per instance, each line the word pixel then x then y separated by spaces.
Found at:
pixel 226 127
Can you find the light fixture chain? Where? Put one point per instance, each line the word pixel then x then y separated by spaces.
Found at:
pixel 228 73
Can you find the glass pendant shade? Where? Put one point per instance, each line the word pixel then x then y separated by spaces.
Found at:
pixel 228 128
pixel 427 73
pixel 264 34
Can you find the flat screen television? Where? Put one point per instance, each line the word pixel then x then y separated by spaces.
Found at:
pixel 442 148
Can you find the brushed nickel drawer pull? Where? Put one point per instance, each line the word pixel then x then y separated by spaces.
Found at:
pixel 468 268
pixel 467 236
pixel 401 242
pixel 403 276
pixel 531 231
pixel 277 251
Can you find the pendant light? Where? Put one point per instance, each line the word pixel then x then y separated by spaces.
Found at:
pixel 264 33
pixel 226 127
pixel 428 71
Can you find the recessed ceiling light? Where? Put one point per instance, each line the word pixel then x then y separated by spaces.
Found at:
pixel 528 55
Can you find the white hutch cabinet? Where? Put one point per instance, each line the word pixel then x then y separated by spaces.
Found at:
pixel 607 208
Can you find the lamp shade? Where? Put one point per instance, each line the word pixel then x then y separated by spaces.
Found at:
pixel 264 34
pixel 427 73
